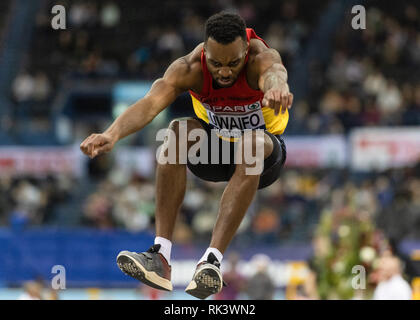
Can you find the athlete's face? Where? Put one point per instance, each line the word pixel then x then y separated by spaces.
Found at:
pixel 225 61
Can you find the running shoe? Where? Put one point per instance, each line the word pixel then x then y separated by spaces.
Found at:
pixel 207 279
pixel 149 267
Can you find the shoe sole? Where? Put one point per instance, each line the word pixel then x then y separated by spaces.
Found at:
pixel 133 268
pixel 206 282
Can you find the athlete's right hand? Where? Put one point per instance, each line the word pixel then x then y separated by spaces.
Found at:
pixel 97 144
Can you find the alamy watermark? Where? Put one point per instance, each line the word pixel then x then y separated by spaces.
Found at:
pixel 58 22
pixel 183 146
pixel 358 282
pixel 58 282
pixel 359 20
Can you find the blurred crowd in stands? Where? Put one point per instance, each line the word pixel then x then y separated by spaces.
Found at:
pixel 368 79
pixel 30 201
pixel 38 289
pixel 288 209
pixel 351 219
pixel 133 39
pixel 110 40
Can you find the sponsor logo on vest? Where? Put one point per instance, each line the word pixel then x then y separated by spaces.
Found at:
pixel 235 109
pixel 253 106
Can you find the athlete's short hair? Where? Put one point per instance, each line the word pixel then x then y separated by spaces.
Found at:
pixel 225 27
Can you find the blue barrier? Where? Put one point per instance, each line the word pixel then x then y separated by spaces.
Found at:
pixel 88 255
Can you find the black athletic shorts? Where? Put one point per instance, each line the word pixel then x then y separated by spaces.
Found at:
pixel 223 172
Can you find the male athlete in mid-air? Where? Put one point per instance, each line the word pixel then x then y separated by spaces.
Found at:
pixel 236 82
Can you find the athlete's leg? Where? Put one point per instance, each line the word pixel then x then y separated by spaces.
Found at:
pixel 238 195
pixel 235 201
pixel 171 180
pixel 152 267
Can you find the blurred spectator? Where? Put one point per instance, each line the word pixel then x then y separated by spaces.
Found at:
pixel 134 205
pixel 389 98
pixel 170 44
pixel 23 87
pixel 83 14
pixel 266 225
pixel 29 201
pixel 110 15
pixel 32 291
pixel 391 285
pixel 192 30
pixel 42 87
pixel 98 211
pixel 308 289
pixel 260 286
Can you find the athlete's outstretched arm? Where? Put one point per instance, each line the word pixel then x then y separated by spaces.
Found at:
pixel 273 81
pixel 162 93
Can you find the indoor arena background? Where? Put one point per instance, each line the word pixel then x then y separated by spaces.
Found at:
pixel 348 197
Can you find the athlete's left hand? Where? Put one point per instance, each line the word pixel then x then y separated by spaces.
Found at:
pixel 278 98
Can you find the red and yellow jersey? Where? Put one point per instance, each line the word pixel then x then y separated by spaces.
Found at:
pixel 237 107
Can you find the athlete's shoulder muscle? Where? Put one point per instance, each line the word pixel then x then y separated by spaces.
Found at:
pixel 260 54
pixel 256 46
pixel 182 75
pixel 185 73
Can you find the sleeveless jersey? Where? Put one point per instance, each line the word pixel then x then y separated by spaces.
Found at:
pixel 237 107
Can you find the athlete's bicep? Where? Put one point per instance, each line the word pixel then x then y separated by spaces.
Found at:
pixel 269 65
